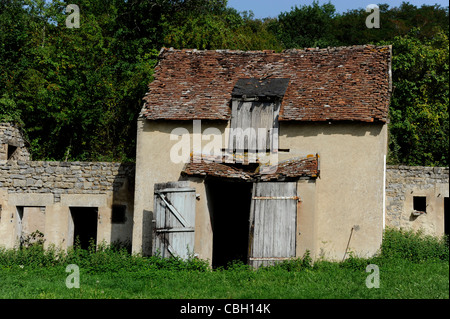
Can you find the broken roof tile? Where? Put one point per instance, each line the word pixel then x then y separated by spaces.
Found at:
pixel 342 84
pixel 290 169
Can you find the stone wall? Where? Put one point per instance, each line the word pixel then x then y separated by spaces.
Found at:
pixel 11 140
pixel 64 177
pixel 403 184
pixel 47 196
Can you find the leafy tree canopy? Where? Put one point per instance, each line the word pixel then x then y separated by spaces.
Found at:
pixel 77 92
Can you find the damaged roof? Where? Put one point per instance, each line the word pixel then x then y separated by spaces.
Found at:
pixel 260 88
pixel 307 167
pixel 333 84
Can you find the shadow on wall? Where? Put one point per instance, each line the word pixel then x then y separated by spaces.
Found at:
pixel 122 206
pixel 306 129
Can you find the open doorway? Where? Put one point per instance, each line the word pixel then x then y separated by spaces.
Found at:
pixel 30 226
pixel 230 211
pixel 84 225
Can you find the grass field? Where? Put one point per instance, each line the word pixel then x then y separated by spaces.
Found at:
pixel 410 266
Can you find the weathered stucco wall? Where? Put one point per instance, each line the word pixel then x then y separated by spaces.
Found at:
pixel 348 193
pixel 406 182
pixel 154 165
pixel 52 188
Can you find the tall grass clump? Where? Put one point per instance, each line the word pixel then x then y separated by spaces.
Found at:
pixel 413 246
pixel 102 258
pixel 295 264
pixel 96 259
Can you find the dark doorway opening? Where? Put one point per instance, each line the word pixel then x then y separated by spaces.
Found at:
pixel 229 203
pixel 446 225
pixel 85 226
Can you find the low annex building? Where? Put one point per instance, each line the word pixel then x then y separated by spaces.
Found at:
pixel 63 201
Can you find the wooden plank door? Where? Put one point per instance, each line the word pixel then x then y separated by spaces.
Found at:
pixel 273 222
pixel 174 219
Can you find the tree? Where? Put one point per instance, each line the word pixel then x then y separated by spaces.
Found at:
pixel 306 26
pixel 419 113
pixel 223 28
pixel 80 89
pixel 77 92
pixel 349 28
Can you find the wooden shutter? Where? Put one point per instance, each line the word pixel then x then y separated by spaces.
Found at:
pixel 174 219
pixel 273 222
pixel 249 116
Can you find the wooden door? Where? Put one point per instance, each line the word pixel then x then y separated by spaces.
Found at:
pixel 174 219
pixel 273 222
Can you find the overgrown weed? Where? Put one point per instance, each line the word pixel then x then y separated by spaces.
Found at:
pixel 397 245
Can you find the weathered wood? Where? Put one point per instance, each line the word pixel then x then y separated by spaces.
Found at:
pixel 173 210
pixel 273 223
pixel 174 219
pixel 252 127
pixel 173 190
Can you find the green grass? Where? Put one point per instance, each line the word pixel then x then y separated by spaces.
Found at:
pixel 33 273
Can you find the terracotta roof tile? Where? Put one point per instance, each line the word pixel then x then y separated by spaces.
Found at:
pixel 290 169
pixel 343 83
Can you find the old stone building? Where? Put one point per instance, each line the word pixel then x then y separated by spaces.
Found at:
pixel 257 156
pixel 261 156
pixel 417 198
pixel 12 144
pixel 64 200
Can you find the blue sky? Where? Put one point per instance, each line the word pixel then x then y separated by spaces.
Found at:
pixel 271 8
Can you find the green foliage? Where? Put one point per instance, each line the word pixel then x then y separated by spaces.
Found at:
pixel 413 246
pixel 295 264
pixel 411 266
pixel 349 27
pixel 397 244
pixel 419 113
pixel 77 92
pixel 9 112
pixel 223 30
pixel 306 26
pixel 96 259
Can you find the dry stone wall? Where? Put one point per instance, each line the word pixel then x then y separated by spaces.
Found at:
pixel 10 136
pixel 64 177
pixel 403 184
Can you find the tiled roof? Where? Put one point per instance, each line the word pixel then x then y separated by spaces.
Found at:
pixel 291 169
pixel 343 83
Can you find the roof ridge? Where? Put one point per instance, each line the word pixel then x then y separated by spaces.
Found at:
pixel 289 51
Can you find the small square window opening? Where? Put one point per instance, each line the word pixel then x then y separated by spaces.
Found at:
pixel 11 150
pixel 118 214
pixel 420 203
